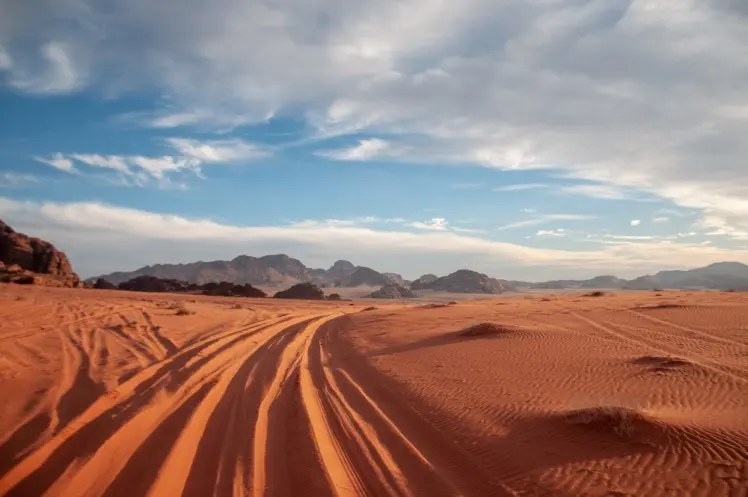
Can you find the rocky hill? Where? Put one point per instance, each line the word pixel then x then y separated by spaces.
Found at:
pixel 364 276
pixel 271 270
pixel 146 283
pixel 462 281
pixel 33 261
pixel 306 291
pixel 392 292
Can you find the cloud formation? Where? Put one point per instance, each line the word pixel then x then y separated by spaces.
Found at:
pixel 105 238
pixel 634 94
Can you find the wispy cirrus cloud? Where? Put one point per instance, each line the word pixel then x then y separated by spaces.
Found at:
pixel 58 161
pixel 433 224
pixel 135 170
pixel 546 218
pixel 365 150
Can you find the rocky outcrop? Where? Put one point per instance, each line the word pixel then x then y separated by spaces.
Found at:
pixel 39 261
pixel 423 280
pixel 395 279
pixel 102 284
pixel 307 291
pixel 364 276
pixel 147 283
pixel 157 285
pixel 462 281
pixel 226 289
pixel 392 292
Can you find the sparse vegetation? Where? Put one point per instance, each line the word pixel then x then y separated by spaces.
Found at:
pixel 596 293
pixel 621 420
pixel 132 324
pixel 183 312
pixel 237 306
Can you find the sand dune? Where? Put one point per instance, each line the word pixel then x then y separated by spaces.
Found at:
pixel 109 393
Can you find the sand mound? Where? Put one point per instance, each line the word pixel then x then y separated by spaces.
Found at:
pixel 622 421
pixel 484 330
pixel 662 361
pixel 433 306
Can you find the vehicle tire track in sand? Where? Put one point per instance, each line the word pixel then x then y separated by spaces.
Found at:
pixel 118 413
pixel 230 414
pixel 658 347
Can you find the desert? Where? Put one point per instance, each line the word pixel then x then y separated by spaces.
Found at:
pixel 107 392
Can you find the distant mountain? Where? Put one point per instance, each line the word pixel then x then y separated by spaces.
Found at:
pixel 364 276
pixel 462 281
pixel 717 276
pixel 270 270
pixel 277 270
pixel 424 280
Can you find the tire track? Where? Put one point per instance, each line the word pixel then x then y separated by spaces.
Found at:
pixel 658 348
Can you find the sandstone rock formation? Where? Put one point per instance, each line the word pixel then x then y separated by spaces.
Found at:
pixel 392 292
pixel 102 284
pixel 39 261
pixel 462 281
pixel 306 291
pixel 147 283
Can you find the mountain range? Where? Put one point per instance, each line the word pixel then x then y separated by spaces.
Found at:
pixel 277 270
pixel 281 270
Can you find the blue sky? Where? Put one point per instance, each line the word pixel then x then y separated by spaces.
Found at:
pixel 581 138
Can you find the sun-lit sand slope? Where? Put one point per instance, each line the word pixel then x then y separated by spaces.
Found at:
pixel 116 394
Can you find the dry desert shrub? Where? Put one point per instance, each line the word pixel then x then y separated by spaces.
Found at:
pixel 597 293
pixel 621 420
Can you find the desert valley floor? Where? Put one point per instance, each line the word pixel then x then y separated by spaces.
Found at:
pixel 108 393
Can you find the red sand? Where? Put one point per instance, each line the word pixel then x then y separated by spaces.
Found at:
pixel 108 393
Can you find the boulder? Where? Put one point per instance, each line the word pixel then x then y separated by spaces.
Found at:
pixel 306 291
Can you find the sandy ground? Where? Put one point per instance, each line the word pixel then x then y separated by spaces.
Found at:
pixel 117 394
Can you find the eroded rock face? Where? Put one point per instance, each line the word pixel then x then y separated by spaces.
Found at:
pixel 39 261
pixel 147 283
pixel 102 284
pixel 392 292
pixel 307 291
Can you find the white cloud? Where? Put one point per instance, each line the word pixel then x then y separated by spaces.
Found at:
pixel 58 161
pixel 12 180
pixel 159 166
pixel 661 219
pixel 608 192
pixel 635 94
pixel 365 150
pixel 88 231
pixel 546 218
pixel 550 233
pixel 217 151
pixel 108 162
pixel 434 224
pixel 60 75
pixel 635 222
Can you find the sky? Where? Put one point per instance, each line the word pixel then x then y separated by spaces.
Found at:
pixel 534 139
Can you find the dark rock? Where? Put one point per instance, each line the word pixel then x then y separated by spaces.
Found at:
pixel 147 283
pixel 36 256
pixel 463 281
pixel 306 291
pixel 392 292
pixel 102 284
